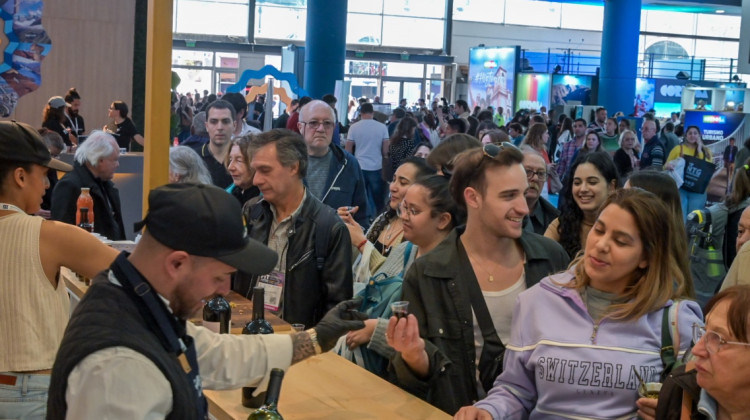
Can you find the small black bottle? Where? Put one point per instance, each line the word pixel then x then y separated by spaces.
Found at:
pixel 217 315
pixel 258 325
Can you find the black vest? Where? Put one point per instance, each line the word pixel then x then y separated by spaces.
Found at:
pixel 107 317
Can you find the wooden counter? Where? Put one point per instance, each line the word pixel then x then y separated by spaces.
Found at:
pixel 322 387
pixel 330 387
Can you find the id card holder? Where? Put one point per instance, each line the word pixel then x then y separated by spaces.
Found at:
pixel 273 285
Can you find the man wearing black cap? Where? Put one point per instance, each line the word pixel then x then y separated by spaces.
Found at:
pixel 34 305
pixel 128 352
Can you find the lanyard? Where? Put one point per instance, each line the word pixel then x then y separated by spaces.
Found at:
pixel 73 123
pixel 152 308
pixel 11 207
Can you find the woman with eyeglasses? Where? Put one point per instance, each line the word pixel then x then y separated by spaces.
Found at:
pixel 578 336
pixel 716 383
pixel 593 178
pixel 428 213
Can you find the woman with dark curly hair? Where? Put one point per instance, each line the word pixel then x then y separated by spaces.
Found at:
pixel 402 141
pixel 594 178
pixel 387 230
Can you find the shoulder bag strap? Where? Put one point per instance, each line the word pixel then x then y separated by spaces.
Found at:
pixel 407 253
pixel 493 346
pixel 687 400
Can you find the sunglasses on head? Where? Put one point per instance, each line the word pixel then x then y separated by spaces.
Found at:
pixel 491 150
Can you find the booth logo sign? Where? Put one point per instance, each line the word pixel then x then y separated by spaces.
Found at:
pixel 714 119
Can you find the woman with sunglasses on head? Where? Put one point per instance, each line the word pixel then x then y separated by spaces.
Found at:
pixel 692 145
pixel 715 385
pixel 479 268
pixel 387 230
pixel 578 336
pixel 593 178
pixel 428 213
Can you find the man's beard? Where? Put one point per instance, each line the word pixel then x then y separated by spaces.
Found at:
pixel 72 112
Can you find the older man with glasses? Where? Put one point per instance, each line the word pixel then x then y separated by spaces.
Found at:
pixel 334 175
pixel 541 211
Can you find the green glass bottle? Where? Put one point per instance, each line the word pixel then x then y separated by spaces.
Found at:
pixel 269 410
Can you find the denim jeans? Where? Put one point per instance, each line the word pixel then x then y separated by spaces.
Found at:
pixel 27 399
pixel 691 201
pixel 375 192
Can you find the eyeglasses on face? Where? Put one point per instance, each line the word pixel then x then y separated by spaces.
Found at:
pixel 403 211
pixel 540 174
pixel 327 125
pixel 714 341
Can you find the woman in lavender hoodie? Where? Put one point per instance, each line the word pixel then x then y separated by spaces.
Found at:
pixel 577 337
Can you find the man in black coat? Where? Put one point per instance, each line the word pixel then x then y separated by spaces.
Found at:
pixel 96 161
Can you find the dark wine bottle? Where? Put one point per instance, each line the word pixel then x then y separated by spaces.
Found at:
pixel 269 410
pixel 85 223
pixel 217 315
pixel 258 325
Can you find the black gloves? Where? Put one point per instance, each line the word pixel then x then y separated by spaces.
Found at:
pixel 341 319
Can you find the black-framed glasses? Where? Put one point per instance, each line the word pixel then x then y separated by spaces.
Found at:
pixel 714 341
pixel 314 124
pixel 540 174
pixel 491 150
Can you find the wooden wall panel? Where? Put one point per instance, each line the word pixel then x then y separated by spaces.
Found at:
pixel 92 50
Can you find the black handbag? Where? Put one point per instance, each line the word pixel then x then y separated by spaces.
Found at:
pixel 698 173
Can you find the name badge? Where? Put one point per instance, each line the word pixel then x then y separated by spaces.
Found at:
pixel 273 285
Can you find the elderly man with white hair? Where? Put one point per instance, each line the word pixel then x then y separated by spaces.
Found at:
pixel 95 163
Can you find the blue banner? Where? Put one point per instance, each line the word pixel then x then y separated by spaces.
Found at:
pixel 714 126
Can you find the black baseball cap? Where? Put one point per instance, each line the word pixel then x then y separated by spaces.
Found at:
pixel 206 221
pixel 20 142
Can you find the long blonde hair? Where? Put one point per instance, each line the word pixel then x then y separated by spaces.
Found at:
pixel 662 279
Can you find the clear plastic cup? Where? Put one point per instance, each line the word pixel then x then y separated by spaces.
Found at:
pixel 400 309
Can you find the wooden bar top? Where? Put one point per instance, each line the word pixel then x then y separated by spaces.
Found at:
pixel 242 309
pixel 328 386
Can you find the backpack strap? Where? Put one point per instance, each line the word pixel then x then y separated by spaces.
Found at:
pixel 407 253
pixel 670 338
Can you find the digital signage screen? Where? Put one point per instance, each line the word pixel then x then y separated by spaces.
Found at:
pixel 569 89
pixel 644 96
pixel 533 91
pixel 714 126
pixel 492 73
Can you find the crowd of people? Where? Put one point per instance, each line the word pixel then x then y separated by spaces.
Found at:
pixel 546 261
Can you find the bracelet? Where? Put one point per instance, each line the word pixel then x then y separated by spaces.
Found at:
pixel 361 244
pixel 314 338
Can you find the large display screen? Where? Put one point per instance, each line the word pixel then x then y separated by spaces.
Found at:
pixel 533 91
pixel 492 73
pixel 644 96
pixel 714 126
pixel 568 89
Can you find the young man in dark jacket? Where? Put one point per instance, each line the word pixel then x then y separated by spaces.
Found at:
pixel 289 220
pixel 436 356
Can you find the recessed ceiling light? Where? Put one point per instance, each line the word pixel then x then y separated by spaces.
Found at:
pixel 720 11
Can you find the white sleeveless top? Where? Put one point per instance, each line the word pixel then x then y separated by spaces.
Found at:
pixel 33 314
